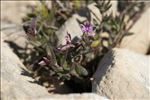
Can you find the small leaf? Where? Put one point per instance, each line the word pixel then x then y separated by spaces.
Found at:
pixel 81 70
pixel 65 66
pixel 95 44
pixel 35 43
pixel 74 73
pixel 44 11
pixel 60 69
pixel 67 76
pixel 128 34
pixel 77 4
pixel 50 52
pixel 108 7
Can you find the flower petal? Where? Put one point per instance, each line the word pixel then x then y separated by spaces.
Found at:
pixel 42 63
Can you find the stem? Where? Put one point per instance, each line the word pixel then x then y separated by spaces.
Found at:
pixel 122 33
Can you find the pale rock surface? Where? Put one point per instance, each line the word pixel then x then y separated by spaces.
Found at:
pixel 140 40
pixel 113 83
pixel 15 35
pixel 84 96
pixel 71 26
pixel 95 13
pixel 123 74
pixel 113 9
pixel 15 86
pixel 13 11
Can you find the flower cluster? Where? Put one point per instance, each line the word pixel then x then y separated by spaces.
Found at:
pixel 68 44
pixel 71 57
pixel 78 58
pixel 87 28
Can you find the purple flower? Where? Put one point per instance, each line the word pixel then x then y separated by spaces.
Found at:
pixel 65 47
pixel 68 38
pixel 68 44
pixel 88 29
pixel 45 61
pixel 30 28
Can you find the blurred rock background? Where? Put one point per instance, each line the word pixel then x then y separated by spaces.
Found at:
pixel 123 72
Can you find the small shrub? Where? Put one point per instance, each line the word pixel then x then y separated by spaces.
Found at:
pixel 77 60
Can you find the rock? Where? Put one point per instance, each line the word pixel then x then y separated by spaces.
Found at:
pixel 140 40
pixel 13 11
pixel 71 26
pixel 80 18
pixel 11 25
pixel 113 9
pixel 123 74
pixel 15 35
pixel 14 85
pixel 95 13
pixel 84 96
pixel 18 42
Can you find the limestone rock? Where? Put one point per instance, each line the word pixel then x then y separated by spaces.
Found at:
pixel 14 85
pixel 113 9
pixel 15 36
pixel 84 96
pixel 140 40
pixel 71 26
pixel 13 11
pixel 95 13
pixel 123 74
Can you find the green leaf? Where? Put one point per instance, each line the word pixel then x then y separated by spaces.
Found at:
pixel 95 44
pixel 77 4
pixel 50 52
pixel 35 43
pixel 67 76
pixel 60 70
pixel 74 73
pixel 128 34
pixel 81 70
pixel 107 7
pixel 44 11
pixel 65 66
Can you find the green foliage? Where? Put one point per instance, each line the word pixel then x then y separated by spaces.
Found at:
pixel 75 60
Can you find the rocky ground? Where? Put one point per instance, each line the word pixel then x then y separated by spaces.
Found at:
pixel 122 74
